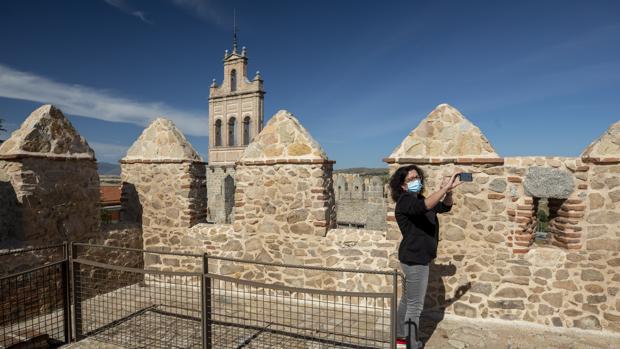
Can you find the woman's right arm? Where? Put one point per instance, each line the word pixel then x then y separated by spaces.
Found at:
pixel 433 199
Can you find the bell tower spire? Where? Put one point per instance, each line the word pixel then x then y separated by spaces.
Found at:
pixel 234 46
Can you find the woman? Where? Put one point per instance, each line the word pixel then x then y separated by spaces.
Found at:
pixel 416 216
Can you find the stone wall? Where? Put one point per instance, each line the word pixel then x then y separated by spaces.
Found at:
pixel 360 200
pixel 602 231
pixel 221 192
pixel 114 235
pixel 100 280
pixel 353 212
pixel 339 248
pixel 377 205
pixel 49 177
pixel 16 301
pixel 284 198
pixel 161 196
pixel 164 185
pixel 488 264
pixel 284 182
pixel 488 239
pixel 9 208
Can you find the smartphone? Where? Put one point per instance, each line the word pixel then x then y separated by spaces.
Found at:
pixel 465 177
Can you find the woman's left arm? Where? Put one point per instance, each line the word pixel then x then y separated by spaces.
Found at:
pixel 445 205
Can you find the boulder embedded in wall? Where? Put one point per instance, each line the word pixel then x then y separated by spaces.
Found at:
pixel 546 257
pixel 462 309
pixel 607 145
pixel 284 138
pixel 445 133
pixel 162 141
pixel 47 132
pixel 589 322
pixel 603 217
pixel 544 182
pixel 476 204
pixel 454 233
pixel 498 185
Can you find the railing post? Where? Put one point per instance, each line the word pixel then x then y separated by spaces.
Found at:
pixel 77 295
pixel 66 292
pixel 205 289
pixel 393 310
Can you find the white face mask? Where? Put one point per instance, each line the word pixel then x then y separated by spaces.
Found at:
pixel 415 186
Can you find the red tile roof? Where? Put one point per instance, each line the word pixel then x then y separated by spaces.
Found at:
pixel 110 195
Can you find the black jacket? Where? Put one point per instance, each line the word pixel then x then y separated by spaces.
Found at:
pixel 420 228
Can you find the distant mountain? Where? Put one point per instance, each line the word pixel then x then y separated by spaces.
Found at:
pixel 105 168
pixel 364 171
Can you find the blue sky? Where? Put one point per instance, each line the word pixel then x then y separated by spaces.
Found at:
pixel 537 77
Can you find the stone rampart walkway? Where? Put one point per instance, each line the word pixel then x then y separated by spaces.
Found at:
pixel 458 332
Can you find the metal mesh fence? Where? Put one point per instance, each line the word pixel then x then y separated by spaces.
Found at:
pixel 273 305
pixel 34 302
pixel 170 309
pixel 258 315
pixel 161 313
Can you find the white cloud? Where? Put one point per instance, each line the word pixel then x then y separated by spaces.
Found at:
pixel 106 152
pixel 205 10
pixel 124 7
pixel 96 104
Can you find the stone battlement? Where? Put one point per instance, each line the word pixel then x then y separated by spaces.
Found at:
pixel 491 263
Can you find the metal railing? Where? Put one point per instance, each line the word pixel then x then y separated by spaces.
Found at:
pixel 224 302
pixel 182 300
pixel 34 299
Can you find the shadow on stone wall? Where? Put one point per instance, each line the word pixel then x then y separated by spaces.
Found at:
pixel 97 280
pixel 10 214
pixel 436 303
pixel 229 193
pixel 132 207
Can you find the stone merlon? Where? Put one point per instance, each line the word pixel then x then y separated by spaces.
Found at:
pixel 162 141
pixel 607 146
pixel 46 133
pixel 445 133
pixel 284 139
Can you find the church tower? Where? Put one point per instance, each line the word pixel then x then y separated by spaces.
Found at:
pixel 236 116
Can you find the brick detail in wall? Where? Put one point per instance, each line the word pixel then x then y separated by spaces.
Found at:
pixel 566 233
pixel 525 214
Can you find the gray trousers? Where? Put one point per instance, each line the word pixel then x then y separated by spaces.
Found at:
pixel 412 300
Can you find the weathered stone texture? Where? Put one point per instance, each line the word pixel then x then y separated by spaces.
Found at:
pixel 165 189
pixel 49 181
pixel 47 132
pixel 445 133
pixel 493 221
pixel 544 182
pixel 284 138
pixel 606 146
pixel 284 199
pixel 221 194
pixel 284 182
pixel 340 248
pixel 360 200
pixel 162 140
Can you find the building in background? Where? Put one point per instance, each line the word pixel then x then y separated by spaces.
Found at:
pixel 236 116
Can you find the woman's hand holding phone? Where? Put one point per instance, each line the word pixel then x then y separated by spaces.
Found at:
pixel 451 183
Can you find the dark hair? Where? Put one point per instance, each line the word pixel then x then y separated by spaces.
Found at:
pixel 398 178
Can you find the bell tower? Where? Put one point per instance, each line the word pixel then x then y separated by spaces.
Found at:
pixel 236 116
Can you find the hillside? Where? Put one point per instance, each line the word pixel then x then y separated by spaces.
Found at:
pixel 105 168
pixel 364 171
